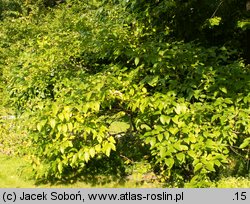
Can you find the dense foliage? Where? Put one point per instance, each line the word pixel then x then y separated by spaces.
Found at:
pixel 128 86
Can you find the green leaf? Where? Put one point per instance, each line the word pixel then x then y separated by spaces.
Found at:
pixel 223 89
pixel 217 163
pixel 197 167
pixel 59 127
pixel 244 24
pixel 165 119
pixel 210 166
pixel 107 151
pixel 180 108
pixel 184 147
pixel 142 107
pixel 113 147
pixel 74 158
pixel 111 139
pixel 52 123
pixel 215 21
pixel 180 156
pixel 177 146
pixel 61 116
pixel 64 128
pixel 137 60
pixel 85 107
pixel 69 143
pixel 159 129
pixel 86 156
pixel 70 127
pixel 145 127
pixel 152 141
pixel 228 101
pixel 169 162
pixel 166 134
pixel 60 167
pixel 210 143
pixel 96 106
pixel 162 152
pixel 98 148
pixel 175 119
pixel 215 117
pixel 192 138
pixel 92 152
pixel 66 115
pixel 39 127
pixel 173 130
pixel 55 109
pixel 192 153
pixel 62 149
pixel 160 137
pixel 245 143
pixel 153 81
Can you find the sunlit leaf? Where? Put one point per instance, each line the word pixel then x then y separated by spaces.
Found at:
pixel 137 60
pixel 52 123
pixel 197 167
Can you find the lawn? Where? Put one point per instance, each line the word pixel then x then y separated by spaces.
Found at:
pixel 15 173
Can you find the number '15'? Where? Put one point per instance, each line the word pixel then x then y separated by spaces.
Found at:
pixel 241 196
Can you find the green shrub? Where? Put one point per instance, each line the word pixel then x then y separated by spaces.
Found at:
pixel 75 72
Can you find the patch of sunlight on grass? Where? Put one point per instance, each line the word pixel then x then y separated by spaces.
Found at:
pixel 11 169
pixel 15 172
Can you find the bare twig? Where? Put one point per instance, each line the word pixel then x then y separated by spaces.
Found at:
pixel 217 9
pixel 232 148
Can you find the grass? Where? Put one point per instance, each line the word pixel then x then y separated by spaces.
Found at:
pixel 232 182
pixel 15 173
pixel 11 173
